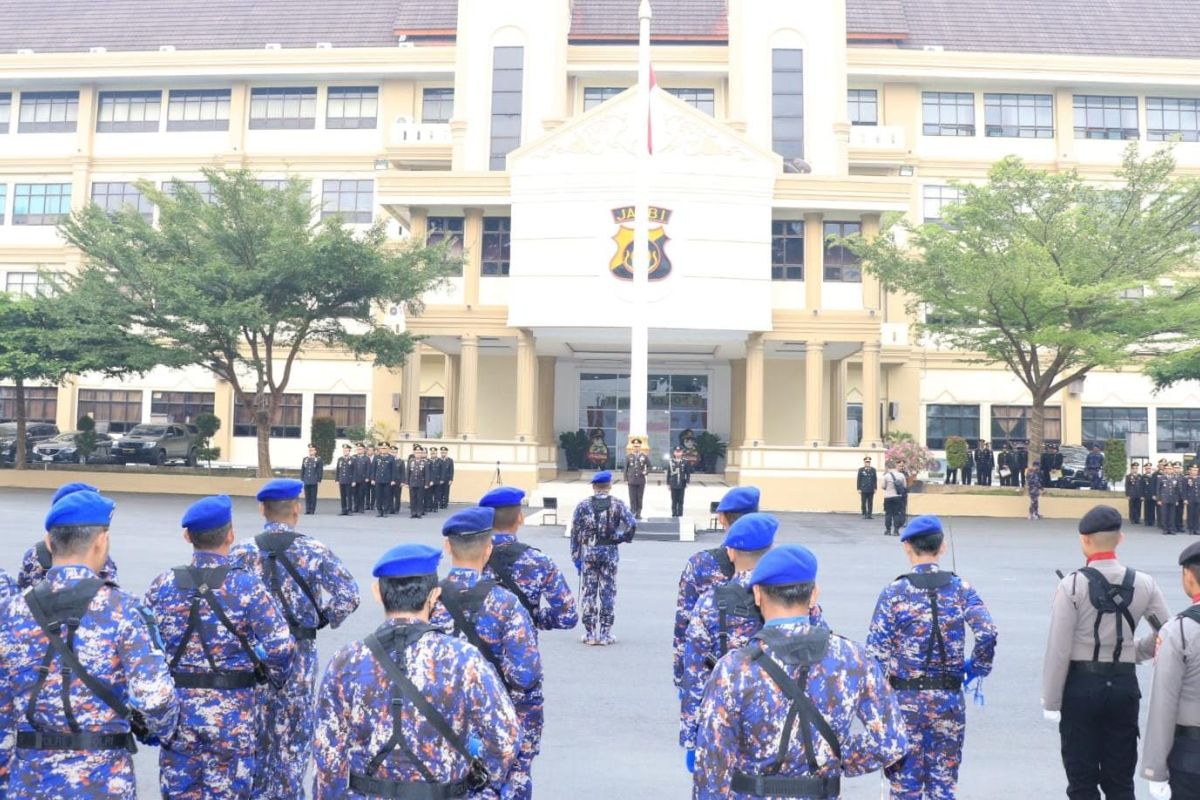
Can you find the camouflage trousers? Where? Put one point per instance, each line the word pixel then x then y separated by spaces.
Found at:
pixel 599 591
pixel 205 776
pixel 68 775
pixel 936 723
pixel 518 785
pixel 285 730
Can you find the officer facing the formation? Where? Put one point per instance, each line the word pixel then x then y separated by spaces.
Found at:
pixel 447 477
pixel 867 483
pixel 411 711
pixel 708 568
pixel 362 479
pixel 345 479
pixel 637 466
pixel 600 523
pixel 418 483
pixel 492 618
pixel 919 635
pixel 36 561
pixel 312 472
pixel 750 743
pixel 224 635
pixel 81 673
pixel 678 476
pixel 383 478
pixel 1089 685
pixel 314 590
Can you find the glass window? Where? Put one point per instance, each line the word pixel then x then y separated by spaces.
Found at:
pixel 3 201
pixel 117 409
pixel 1105 117
pixel 5 110
pixel 41 403
pixel 48 112
pixel 944 421
pixel 430 407
pixel 28 284
pixel 352 200
pixel 1168 118
pixel 862 105
pixel 595 95
pixel 507 79
pixel 41 203
pixel 288 426
pixel 283 108
pixel 442 228
pixel 437 105
pixel 854 424
pixel 347 410
pixel 198 110
pixel 787 103
pixel 1010 424
pixel 699 99
pixel 841 264
pixel 497 237
pixel 352 107
pixel 787 250
pixel 203 188
pixel 935 198
pixel 1021 116
pixel 1178 430
pixel 948 113
pixel 180 406
pixel 279 184
pixel 128 112
pixel 1102 424
pixel 114 196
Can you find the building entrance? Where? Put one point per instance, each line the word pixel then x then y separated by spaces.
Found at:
pixel 677 406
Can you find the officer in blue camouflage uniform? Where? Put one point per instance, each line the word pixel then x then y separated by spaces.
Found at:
pixel 224 635
pixel 799 673
pixel 918 635
pixel 36 561
pixel 599 524
pixel 314 590
pixel 411 711
pixel 708 568
pixel 74 740
pixel 492 618
pixel 8 586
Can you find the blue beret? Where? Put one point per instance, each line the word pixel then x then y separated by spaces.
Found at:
pixel 752 532
pixel 469 521
pixel 208 513
pixel 408 560
pixel 919 526
pixel 502 496
pixel 788 563
pixel 80 508
pixel 1101 519
pixel 69 488
pixel 740 500
pixel 602 477
pixel 280 489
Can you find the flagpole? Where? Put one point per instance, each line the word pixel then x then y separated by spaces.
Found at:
pixel 639 355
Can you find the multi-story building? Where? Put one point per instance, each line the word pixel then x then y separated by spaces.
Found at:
pixel 507 125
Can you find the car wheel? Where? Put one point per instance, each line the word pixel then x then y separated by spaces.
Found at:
pixel 160 458
pixel 191 457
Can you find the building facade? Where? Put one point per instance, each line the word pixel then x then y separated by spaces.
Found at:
pixel 508 126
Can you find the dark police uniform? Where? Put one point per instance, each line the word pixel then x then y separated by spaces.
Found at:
pixel 1149 493
pixel 1133 494
pixel 636 469
pixel 1022 465
pixel 1191 498
pixel 1169 497
pixel 434 473
pixel 418 485
pixel 362 482
pixel 447 477
pixel 678 475
pixel 867 483
pixel 985 465
pixel 382 474
pixel 312 472
pixel 345 478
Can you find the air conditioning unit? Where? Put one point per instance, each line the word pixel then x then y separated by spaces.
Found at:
pixel 324 45
pixel 395 401
pixel 166 48
pixel 274 46
pixel 97 49
pixel 893 411
pixel 25 51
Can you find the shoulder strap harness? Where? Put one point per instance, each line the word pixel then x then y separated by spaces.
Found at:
pixel 274 545
pixel 1110 598
pixel 201 581
pixel 605 529
pixel 724 562
pixel 503 560
pixel 733 601
pixel 930 583
pixel 44 558
pixel 465 606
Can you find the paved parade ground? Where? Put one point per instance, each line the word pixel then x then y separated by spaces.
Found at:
pixel 611 713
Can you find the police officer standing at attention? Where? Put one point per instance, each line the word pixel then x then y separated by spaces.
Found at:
pixel 370 504
pixel 599 525
pixel 1169 499
pixel 985 464
pixel 678 475
pixel 81 673
pixel 777 714
pixel 867 482
pixel 360 469
pixel 312 472
pixel 919 636
pixel 411 711
pixel 383 477
pixel 418 483
pixel 637 466
pixel 1133 492
pixel 345 478
pixel 224 635
pixel 1089 685
pixel 1150 494
pixel 447 476
pixel 314 590
pixel 398 473
pixel 37 559
pixel 434 471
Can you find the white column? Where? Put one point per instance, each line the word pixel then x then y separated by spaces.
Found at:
pixel 639 346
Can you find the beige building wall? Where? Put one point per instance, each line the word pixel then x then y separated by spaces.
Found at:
pixel 783 401
pixel 497 404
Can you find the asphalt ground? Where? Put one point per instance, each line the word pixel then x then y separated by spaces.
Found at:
pixel 611 713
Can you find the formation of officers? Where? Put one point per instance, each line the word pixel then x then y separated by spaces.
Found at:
pixel 1165 495
pixel 372 478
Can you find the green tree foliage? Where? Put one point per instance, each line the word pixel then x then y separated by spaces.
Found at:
pixel 956 452
pixel 324 437
pixel 207 424
pixel 244 284
pixel 1047 274
pixel 85 440
pixel 1114 461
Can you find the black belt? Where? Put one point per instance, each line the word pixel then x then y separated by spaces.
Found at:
pixel 215 680
pixel 1104 667
pixel 808 786
pixel 40 740
pixel 303 634
pixel 1187 732
pixel 927 684
pixel 381 787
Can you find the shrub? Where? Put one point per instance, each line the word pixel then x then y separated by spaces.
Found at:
pixel 910 457
pixel 956 452
pixel 324 437
pixel 85 440
pixel 1114 460
pixel 207 424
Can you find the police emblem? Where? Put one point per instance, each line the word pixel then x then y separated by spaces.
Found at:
pixel 621 264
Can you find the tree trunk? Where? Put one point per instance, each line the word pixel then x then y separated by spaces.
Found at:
pixel 264 450
pixel 1037 428
pixel 19 461
pixel 266 412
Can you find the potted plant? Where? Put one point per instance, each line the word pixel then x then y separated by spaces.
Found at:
pixel 956 453
pixel 710 447
pixel 911 459
pixel 575 446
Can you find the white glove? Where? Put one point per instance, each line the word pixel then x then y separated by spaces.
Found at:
pixel 1160 790
pixel 1052 716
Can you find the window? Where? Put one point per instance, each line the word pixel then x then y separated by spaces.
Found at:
pixel 948 113
pixel 279 184
pixel 699 99
pixel 41 403
pixel 288 426
pixel 787 103
pixel 352 107
pixel 203 188
pixel 180 406
pixel 497 236
pixel 119 409
pixel 5 110
pixel 41 203
pixel 352 200
pixel 787 250
pixel 279 109
pixel 1021 116
pixel 1166 118
pixel 429 407
pixel 128 112
pixel 1102 424
pixel 507 78
pixel 198 110
pixel 347 410
pixel 48 112
pixel 115 196
pixel 854 424
pixel 27 284
pixel 1178 430
pixel 595 95
pixel 944 421
pixel 935 198
pixel 862 106
pixel 442 228
pixel 840 263
pixel 3 201
pixel 1104 117
pixel 1010 424
pixel 437 105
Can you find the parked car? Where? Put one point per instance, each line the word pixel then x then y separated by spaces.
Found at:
pixel 62 448
pixel 158 443
pixel 35 432
pixel 1073 475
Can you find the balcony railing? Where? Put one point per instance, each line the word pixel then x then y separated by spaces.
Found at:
pixel 405 131
pixel 877 137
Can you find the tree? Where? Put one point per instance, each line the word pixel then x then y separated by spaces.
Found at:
pixel 242 285
pixel 324 437
pixel 207 424
pixel 1114 461
pixel 1047 274
pixel 956 452
pixel 85 440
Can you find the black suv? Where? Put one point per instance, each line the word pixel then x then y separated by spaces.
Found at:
pixel 157 443
pixel 35 432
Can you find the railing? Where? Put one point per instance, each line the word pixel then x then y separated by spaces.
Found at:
pixel 407 132
pixel 877 137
